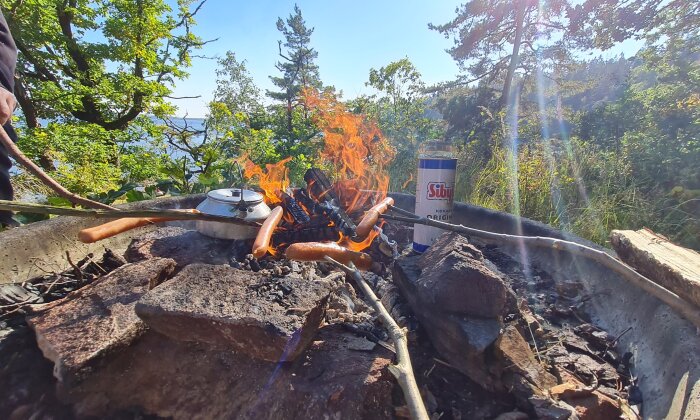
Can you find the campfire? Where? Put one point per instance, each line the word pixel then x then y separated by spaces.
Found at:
pixel 344 211
pixel 182 324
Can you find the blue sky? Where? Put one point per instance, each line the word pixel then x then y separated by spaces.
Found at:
pixel 350 36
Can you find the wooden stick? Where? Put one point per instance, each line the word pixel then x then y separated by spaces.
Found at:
pixel 402 370
pixel 690 312
pixel 118 214
pixel 17 155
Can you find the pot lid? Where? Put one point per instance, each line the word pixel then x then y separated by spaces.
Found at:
pixel 233 196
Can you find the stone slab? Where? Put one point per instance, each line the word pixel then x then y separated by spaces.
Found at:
pixel 182 245
pixel 265 317
pixel 80 329
pixel 187 380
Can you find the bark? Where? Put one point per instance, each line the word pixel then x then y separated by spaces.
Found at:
pixel 515 56
pixel 31 119
pixel 25 102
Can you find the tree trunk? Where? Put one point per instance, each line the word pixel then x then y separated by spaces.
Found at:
pixel 515 56
pixel 289 117
pixel 26 104
pixel 32 120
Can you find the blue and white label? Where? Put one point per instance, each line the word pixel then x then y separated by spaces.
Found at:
pixel 434 198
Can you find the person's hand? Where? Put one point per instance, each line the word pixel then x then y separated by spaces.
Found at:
pixel 7 105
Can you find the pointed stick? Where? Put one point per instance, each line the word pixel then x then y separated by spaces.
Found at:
pixel 402 370
pixel 118 214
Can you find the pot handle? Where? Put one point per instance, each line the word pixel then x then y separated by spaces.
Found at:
pixel 115 227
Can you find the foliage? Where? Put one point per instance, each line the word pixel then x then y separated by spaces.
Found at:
pixel 400 109
pixel 101 62
pixel 573 186
pixel 494 39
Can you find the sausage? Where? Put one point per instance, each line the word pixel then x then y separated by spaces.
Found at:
pixel 316 251
pixel 262 240
pixel 115 227
pixel 370 218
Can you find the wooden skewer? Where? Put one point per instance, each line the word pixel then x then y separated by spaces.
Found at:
pixel 118 214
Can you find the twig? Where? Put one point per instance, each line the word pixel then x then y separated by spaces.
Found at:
pixel 53 283
pixel 614 342
pixel 687 310
pixel 17 155
pixel 77 269
pixel 118 214
pixel 402 370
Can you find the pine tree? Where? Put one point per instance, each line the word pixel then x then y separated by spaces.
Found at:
pixel 496 39
pixel 299 71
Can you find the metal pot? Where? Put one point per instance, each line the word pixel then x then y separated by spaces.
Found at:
pixel 232 202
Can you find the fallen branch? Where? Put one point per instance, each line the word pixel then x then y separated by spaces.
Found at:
pixel 17 155
pixel 688 311
pixel 402 370
pixel 118 214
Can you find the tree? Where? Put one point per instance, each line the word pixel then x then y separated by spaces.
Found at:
pixel 400 109
pixel 494 39
pixel 602 24
pixel 299 71
pixel 399 80
pixel 101 62
pixel 235 86
pixel 90 76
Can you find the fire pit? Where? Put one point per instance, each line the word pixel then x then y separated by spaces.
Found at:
pixel 190 326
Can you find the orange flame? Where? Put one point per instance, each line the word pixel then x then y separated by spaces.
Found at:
pixel 273 180
pixel 354 147
pixel 358 246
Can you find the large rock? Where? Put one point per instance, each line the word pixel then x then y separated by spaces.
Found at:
pixel 187 380
pixel 76 332
pixel 459 301
pixel 272 319
pixel 460 339
pixel 455 279
pixel 182 245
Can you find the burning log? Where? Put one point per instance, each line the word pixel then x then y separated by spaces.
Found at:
pixel 306 234
pixel 320 189
pixel 294 209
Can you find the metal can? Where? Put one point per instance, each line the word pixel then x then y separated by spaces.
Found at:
pixel 437 168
